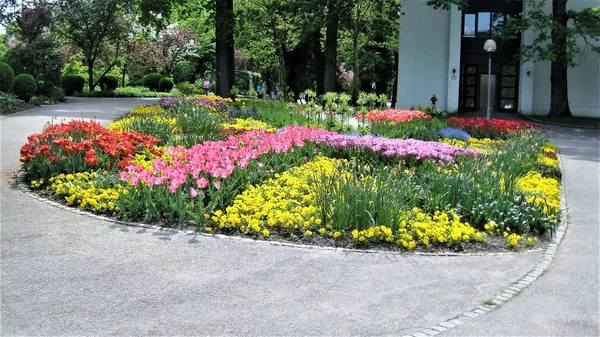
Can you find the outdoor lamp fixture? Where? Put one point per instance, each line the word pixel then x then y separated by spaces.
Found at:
pixel 490 47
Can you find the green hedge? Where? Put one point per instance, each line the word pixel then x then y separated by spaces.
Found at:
pixel 24 86
pixel 165 84
pixel 72 84
pixel 7 76
pixel 151 81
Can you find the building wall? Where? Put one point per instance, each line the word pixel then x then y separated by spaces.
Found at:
pixel 583 80
pixel 423 55
pixel 428 52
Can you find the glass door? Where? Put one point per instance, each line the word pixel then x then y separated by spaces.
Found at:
pixel 468 88
pixel 508 89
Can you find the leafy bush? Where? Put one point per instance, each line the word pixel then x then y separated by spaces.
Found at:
pixel 24 86
pixel 41 59
pixel 7 76
pixel 136 83
pixel 184 72
pixel 108 83
pixel 151 81
pixel 72 84
pixel 9 102
pixel 186 88
pixel 165 84
pixel 57 94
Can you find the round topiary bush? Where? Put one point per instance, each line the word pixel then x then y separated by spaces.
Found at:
pixel 165 84
pixel 151 81
pixel 24 86
pixel 72 84
pixel 7 75
pixel 57 94
pixel 108 83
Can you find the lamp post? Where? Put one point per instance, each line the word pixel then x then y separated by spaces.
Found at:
pixel 490 47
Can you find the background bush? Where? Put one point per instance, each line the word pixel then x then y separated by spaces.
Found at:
pixel 24 86
pixel 57 94
pixel 108 83
pixel 72 84
pixel 39 58
pixel 151 81
pixel 7 76
pixel 186 88
pixel 165 84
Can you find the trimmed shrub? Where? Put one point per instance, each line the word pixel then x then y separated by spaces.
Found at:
pixel 72 84
pixel 7 75
pixel 165 84
pixel 24 86
pixel 186 88
pixel 57 94
pixel 136 83
pixel 151 81
pixel 108 83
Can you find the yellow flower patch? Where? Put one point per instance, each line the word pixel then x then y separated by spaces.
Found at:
pixel 248 124
pixel 540 190
pixel 283 202
pixel 147 110
pixel 82 190
pixel 147 156
pixel 129 123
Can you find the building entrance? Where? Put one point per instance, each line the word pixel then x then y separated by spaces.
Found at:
pixel 483 92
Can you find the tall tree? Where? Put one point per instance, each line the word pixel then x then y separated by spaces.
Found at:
pixel 95 27
pixel 557 35
pixel 331 45
pixel 225 23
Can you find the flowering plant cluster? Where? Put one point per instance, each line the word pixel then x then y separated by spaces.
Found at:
pixel 389 147
pixel 395 115
pixel 219 159
pixel 86 190
pixel 79 146
pixel 247 124
pixel 494 128
pixel 172 163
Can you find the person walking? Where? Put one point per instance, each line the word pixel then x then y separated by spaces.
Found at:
pixel 206 85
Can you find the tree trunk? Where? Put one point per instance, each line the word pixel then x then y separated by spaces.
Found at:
pixel 331 44
pixel 356 68
pixel 277 38
pixel 224 47
pixel 91 85
pixel 559 97
pixel 395 89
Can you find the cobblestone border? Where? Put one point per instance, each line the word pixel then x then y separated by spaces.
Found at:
pixel 509 291
pixel 174 231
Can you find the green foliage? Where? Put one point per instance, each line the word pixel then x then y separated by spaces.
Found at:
pixel 139 92
pixel 9 102
pixel 57 94
pixel 7 76
pixel 108 83
pixel 151 81
pixel 186 88
pixel 41 59
pixel 165 84
pixel 97 28
pixel 24 86
pixel 184 71
pixel 552 35
pixel 72 84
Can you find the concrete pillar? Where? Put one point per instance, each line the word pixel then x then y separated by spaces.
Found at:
pixel 455 38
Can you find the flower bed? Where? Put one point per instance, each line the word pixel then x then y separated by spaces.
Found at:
pixel 304 183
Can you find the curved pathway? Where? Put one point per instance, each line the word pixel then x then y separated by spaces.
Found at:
pixel 63 273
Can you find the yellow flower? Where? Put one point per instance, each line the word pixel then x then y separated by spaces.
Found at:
pixel 308 233
pixel 336 234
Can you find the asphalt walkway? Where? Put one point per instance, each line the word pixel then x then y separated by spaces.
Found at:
pixel 64 273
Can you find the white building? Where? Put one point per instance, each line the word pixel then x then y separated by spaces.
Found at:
pixel 441 52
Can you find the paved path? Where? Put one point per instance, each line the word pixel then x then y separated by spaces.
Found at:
pixel 68 274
